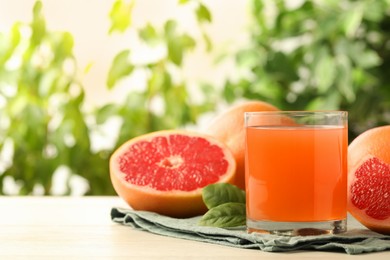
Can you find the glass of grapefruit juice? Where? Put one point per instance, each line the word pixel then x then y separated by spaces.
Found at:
pixel 296 172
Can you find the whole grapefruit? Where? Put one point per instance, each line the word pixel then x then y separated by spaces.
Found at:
pixel 165 171
pixel 229 128
pixel 369 179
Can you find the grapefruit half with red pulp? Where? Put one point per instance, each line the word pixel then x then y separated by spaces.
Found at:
pixel 369 179
pixel 165 171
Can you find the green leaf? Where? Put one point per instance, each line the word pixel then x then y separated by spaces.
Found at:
pixel 175 52
pixel 177 43
pixel 183 1
pixel 170 28
pixel 344 82
pixel 352 20
pixel 220 193
pixel 120 16
pixel 367 58
pixel 120 68
pixel 37 9
pixel 174 46
pixel 88 67
pixel 149 34
pixel 8 43
pixel 48 81
pixel 329 102
pixel 187 42
pixel 249 58
pixel 282 67
pixel 38 24
pixel 105 112
pixel 230 214
pixel 203 14
pixel 62 45
pixel 228 92
pixel 208 42
pixel 375 10
pixel 325 73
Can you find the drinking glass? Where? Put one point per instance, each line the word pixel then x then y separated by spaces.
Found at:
pixel 296 172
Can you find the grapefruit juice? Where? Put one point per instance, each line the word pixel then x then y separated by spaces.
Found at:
pixel 296 174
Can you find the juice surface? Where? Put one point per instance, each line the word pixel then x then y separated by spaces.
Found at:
pixel 296 173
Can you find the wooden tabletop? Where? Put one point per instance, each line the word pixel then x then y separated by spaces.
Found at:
pixel 81 228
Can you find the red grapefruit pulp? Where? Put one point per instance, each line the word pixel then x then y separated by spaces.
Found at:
pixel 369 179
pixel 165 171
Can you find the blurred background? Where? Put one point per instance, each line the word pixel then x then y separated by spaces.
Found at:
pixel 78 78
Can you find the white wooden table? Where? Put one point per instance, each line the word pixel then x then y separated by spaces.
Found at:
pixel 81 228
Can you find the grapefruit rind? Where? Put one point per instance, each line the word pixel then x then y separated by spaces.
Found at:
pixel 371 144
pixel 229 127
pixel 175 203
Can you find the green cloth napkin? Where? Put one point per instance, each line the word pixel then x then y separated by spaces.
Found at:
pixel 356 240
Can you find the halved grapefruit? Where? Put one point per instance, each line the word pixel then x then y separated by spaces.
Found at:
pixel 369 179
pixel 165 171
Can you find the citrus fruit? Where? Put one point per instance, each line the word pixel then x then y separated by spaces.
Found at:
pixel 369 179
pixel 229 128
pixel 165 171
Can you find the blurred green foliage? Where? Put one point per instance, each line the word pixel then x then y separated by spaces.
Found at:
pixel 166 102
pixel 44 127
pixel 301 55
pixel 312 55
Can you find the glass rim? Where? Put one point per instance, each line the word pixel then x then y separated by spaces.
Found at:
pixel 298 112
